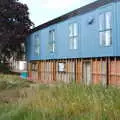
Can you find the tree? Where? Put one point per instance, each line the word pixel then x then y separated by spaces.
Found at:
pixel 14 25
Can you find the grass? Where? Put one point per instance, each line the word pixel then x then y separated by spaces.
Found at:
pixel 12 82
pixel 27 101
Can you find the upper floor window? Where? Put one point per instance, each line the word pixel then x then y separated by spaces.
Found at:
pixel 37 45
pixel 105 29
pixel 73 36
pixel 52 43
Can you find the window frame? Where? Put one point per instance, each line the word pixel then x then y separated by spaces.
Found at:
pixel 52 41
pixel 37 45
pixel 34 67
pixel 59 69
pixel 74 37
pixel 103 42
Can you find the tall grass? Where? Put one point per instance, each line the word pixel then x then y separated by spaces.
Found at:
pixel 12 81
pixel 64 102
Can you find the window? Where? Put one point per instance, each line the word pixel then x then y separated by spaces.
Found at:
pixel 105 29
pixel 52 43
pixel 73 36
pixel 61 67
pixel 37 46
pixel 34 67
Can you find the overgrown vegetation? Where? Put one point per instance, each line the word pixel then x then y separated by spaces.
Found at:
pixel 4 69
pixel 15 25
pixel 12 82
pixel 58 102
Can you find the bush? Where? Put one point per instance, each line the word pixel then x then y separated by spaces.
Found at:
pixel 12 82
pixel 4 69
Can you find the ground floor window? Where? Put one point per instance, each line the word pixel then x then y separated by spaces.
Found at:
pixel 34 67
pixel 61 67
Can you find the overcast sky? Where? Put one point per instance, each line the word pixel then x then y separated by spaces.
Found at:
pixel 42 11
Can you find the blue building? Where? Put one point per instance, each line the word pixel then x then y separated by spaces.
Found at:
pixel 81 46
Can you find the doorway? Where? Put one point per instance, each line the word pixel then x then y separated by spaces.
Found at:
pixel 87 74
pixel 104 73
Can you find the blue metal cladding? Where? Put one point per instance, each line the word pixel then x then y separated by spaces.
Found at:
pixel 88 38
pixel 117 30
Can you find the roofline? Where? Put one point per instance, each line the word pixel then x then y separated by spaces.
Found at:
pixel 79 11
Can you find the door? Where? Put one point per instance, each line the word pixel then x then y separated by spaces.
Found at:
pixel 104 73
pixel 87 76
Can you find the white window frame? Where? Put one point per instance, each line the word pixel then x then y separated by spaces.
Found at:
pixel 73 36
pixel 61 67
pixel 37 45
pixel 105 29
pixel 52 42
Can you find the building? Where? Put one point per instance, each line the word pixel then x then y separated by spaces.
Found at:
pixel 81 46
pixel 17 60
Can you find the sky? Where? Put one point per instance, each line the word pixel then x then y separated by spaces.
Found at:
pixel 42 11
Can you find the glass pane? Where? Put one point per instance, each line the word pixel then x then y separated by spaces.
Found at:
pixel 52 41
pixel 108 19
pixel 49 47
pixel 37 40
pixel 37 46
pixel 101 22
pixel 102 38
pixel 37 51
pixel 53 35
pixel 50 35
pixel 61 67
pixel 71 43
pixel 70 30
pixel 75 44
pixel 108 38
pixel 75 28
pixel 53 47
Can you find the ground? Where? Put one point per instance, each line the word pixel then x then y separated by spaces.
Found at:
pixel 23 100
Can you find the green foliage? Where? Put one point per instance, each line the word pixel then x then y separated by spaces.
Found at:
pixel 14 26
pixel 15 22
pixel 4 69
pixel 64 102
pixel 12 82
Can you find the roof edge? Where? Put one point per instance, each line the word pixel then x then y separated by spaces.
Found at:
pixel 81 10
